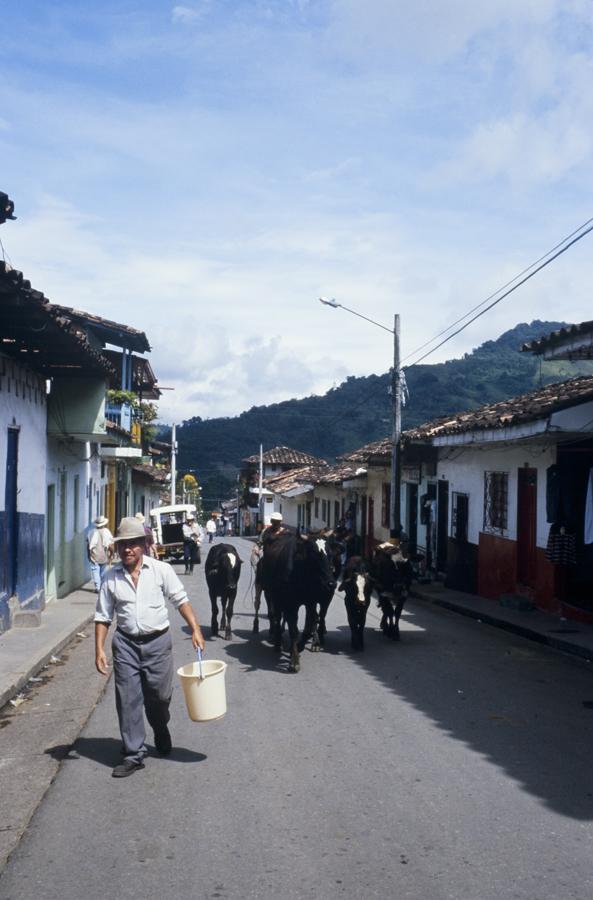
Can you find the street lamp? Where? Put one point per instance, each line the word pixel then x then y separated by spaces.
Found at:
pixel 396 413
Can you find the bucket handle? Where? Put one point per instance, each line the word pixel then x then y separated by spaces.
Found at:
pixel 200 663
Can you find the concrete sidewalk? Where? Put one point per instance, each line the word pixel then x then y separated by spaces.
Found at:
pixel 544 628
pixel 24 651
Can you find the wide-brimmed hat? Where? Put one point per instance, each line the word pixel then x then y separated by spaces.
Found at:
pixel 129 529
pixel 101 521
pixel 391 545
pixel 276 517
pixel 190 517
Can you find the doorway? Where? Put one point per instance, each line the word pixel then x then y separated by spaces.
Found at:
pixel 442 525
pixel 412 516
pixel 12 522
pixel 370 524
pixel 61 567
pixel 526 527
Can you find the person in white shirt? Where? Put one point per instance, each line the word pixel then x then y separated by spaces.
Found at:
pixel 191 543
pixel 135 591
pixel 211 529
pixel 100 550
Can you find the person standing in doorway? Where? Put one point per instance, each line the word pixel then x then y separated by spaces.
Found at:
pixel 135 591
pixel 211 528
pixel 100 550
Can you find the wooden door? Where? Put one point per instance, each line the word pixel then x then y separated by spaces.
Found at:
pixel 527 527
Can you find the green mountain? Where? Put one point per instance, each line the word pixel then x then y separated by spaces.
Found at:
pixel 358 411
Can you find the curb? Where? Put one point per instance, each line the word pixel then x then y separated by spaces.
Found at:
pixel 7 693
pixel 537 637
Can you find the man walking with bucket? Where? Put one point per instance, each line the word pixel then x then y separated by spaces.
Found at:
pixel 135 590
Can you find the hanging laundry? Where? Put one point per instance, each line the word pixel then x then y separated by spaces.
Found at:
pixel 561 549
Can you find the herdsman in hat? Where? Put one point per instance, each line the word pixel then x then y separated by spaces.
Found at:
pixel 100 549
pixel 135 591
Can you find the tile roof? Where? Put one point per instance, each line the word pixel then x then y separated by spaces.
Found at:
pixel 286 456
pixel 117 429
pixel 155 473
pixel 31 330
pixel 375 450
pixel 110 332
pixel 294 478
pixel 537 404
pixel 557 338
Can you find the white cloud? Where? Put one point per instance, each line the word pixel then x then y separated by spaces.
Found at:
pixel 208 184
pixel 430 29
pixel 187 15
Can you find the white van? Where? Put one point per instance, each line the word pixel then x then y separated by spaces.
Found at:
pixel 167 527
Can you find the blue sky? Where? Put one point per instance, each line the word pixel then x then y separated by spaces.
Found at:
pixel 206 170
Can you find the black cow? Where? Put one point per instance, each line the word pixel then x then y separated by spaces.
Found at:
pixel 296 572
pixel 223 568
pixel 391 575
pixel 357 588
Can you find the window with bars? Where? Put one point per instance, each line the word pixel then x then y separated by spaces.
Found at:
pixel 316 507
pixel 460 517
pixel 496 499
pixel 324 510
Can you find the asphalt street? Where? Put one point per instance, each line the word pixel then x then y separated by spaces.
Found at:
pixel 454 764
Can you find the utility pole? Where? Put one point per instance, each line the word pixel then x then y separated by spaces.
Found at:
pixel 395 523
pixel 173 463
pixel 396 430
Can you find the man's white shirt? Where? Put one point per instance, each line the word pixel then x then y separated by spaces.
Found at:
pixel 141 609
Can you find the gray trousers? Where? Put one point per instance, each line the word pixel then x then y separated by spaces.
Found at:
pixel 143 683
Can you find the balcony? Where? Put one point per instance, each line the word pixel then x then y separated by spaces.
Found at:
pixel 120 414
pixel 124 416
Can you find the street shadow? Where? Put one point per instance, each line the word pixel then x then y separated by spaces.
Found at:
pixel 107 752
pixel 252 651
pixel 501 697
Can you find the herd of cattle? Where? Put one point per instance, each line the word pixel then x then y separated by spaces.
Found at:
pixel 304 570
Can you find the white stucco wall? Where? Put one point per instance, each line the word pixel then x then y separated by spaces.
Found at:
pixel 331 494
pixel 465 472
pixel 67 461
pixel 23 405
pixel 376 478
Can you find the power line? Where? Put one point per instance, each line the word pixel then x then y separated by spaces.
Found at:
pixel 506 293
pixel 502 288
pixel 564 245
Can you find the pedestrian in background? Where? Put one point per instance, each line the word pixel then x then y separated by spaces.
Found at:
pixel 211 529
pixel 135 591
pixel 191 544
pixel 99 549
pixel 150 547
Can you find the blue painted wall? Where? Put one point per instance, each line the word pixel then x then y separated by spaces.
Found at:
pixel 30 589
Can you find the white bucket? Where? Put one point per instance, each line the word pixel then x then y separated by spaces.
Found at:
pixel 205 697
